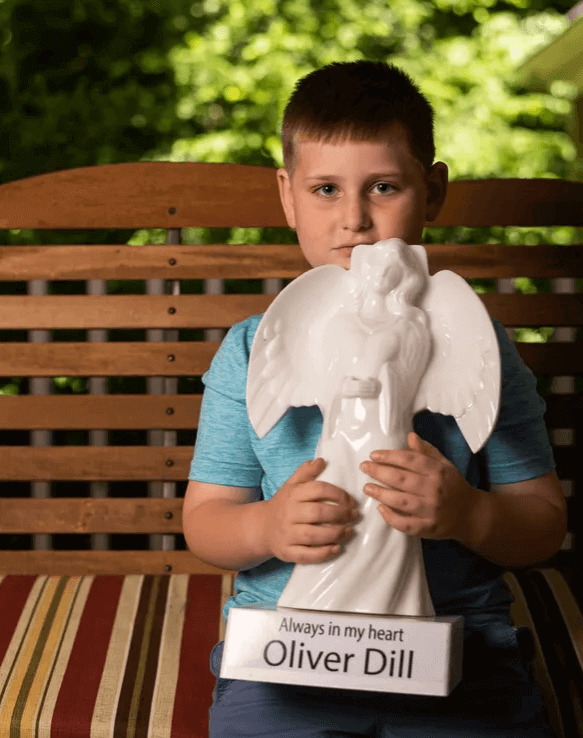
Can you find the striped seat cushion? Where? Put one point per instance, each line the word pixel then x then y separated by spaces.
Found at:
pixel 107 656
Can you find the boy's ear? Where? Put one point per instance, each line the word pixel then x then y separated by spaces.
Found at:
pixel 436 181
pixel 286 196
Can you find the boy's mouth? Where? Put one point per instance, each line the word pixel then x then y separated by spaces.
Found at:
pixel 352 245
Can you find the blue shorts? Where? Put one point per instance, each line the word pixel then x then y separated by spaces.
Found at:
pixel 498 697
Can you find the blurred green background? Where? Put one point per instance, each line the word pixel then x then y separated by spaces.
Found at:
pixel 99 81
pixel 86 82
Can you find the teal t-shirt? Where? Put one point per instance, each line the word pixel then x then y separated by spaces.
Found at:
pixel 229 452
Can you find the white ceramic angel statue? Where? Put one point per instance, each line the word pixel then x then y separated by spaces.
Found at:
pixel 372 346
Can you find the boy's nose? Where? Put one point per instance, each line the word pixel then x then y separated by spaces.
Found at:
pixel 356 215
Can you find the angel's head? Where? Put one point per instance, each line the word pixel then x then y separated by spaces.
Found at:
pixel 388 267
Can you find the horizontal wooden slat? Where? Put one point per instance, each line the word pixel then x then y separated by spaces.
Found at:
pixel 23 263
pixel 495 261
pixel 171 359
pixel 505 202
pixel 554 359
pixel 87 463
pixel 144 195
pixel 137 412
pixel 128 311
pixel 99 411
pixel 94 463
pixel 178 195
pixel 536 310
pixel 91 515
pixel 220 311
pixel 185 358
pixel 78 563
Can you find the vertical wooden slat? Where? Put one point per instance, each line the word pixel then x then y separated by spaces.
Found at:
pixel 272 286
pixel 214 287
pixel 40 386
pixel 155 386
pixel 506 287
pixel 172 287
pixel 163 386
pixel 98 437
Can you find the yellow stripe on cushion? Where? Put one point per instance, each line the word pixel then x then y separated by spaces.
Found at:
pixel 47 652
pixel 51 691
pixel 102 723
pixel 22 649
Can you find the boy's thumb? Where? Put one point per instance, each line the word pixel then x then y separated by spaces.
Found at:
pixel 308 470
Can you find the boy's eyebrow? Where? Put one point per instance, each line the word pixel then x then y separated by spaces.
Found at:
pixel 373 175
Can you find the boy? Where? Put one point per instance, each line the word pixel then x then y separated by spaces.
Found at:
pixel 358 151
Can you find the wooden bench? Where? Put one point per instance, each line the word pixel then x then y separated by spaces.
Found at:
pixel 101 636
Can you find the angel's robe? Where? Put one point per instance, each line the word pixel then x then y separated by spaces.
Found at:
pixel 381 569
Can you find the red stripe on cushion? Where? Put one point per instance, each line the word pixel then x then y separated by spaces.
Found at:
pixel 83 675
pixel 195 681
pixel 14 592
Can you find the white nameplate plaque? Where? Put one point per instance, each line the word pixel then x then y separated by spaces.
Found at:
pixel 380 653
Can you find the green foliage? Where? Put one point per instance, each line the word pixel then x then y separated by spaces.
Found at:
pixel 86 82
pixel 235 78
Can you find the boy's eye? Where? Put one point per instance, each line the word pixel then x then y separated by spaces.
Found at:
pixel 383 187
pixel 327 189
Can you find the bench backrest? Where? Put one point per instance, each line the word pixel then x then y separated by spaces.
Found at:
pixel 180 320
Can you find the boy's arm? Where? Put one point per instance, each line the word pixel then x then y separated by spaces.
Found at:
pixel 423 494
pixel 518 524
pixel 229 528
pixel 221 528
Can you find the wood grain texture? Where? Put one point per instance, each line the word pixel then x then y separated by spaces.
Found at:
pixel 221 311
pixel 90 515
pixel 146 412
pixel 144 195
pixel 94 463
pixel 22 263
pixel 535 310
pixel 506 202
pixel 137 412
pixel 128 311
pixel 185 194
pixel 140 359
pixel 77 563
pixel 151 262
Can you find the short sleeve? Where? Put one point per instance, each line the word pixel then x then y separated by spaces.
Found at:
pixel 519 448
pixel 223 453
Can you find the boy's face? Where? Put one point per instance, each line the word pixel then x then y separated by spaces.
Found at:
pixel 349 192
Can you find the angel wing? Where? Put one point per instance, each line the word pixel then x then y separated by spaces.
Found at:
pixel 463 375
pixel 291 361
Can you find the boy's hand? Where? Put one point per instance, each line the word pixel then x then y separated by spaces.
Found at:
pixel 420 491
pixel 302 525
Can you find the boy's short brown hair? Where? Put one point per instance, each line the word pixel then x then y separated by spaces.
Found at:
pixel 357 101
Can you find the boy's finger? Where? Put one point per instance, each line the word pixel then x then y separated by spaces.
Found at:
pixel 307 471
pixel 416 443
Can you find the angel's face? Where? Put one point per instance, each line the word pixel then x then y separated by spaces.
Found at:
pixel 345 193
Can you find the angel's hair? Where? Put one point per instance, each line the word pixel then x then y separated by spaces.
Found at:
pixel 377 257
pixel 357 101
